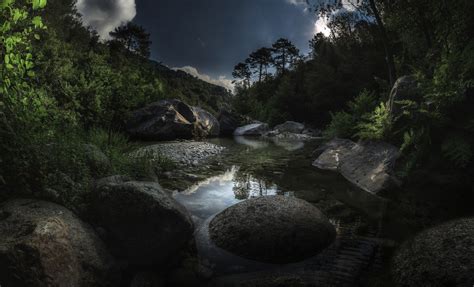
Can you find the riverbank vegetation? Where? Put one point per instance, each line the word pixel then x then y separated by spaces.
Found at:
pixel 62 88
pixel 343 86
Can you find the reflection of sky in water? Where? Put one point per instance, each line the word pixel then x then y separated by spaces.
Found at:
pixel 219 192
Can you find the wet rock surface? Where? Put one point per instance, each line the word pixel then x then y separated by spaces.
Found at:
pixel 276 229
pixel 440 256
pixel 255 129
pixel 369 166
pixel 183 153
pixel 144 225
pixel 44 244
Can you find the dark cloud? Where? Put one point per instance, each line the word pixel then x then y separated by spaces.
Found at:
pixel 213 35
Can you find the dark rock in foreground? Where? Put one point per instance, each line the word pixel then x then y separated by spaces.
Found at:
pixel 171 119
pixel 440 256
pixel 143 224
pixel 275 229
pixel 369 166
pixel 44 244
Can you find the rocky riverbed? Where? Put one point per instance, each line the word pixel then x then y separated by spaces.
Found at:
pixel 183 153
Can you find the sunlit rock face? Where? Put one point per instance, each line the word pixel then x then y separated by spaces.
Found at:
pixel 274 229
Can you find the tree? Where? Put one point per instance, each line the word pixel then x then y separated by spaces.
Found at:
pixel 284 54
pixel 242 72
pixel 259 62
pixel 133 38
pixel 368 9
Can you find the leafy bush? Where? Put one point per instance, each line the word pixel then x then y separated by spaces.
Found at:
pixel 341 126
pixel 375 126
pixel 344 124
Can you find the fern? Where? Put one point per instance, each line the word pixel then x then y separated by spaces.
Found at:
pixel 375 126
pixel 458 150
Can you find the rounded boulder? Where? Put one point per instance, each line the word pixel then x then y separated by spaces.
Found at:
pixel 439 256
pixel 44 244
pixel 144 225
pixel 274 229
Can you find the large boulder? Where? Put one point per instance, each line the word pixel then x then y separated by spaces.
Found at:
pixel 144 225
pixel 405 88
pixel 440 256
pixel 229 122
pixel 171 119
pixel 369 165
pixel 44 244
pixel 275 229
pixel 255 129
pixel 290 127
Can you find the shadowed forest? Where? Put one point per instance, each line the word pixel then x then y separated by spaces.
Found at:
pixel 381 106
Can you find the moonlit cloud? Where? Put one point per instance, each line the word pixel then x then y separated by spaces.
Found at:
pixel 105 15
pixel 298 2
pixel 321 26
pixel 221 81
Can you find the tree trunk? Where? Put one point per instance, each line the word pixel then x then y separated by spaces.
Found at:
pixel 392 72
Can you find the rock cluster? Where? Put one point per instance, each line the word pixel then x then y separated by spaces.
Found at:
pixel 369 166
pixel 182 153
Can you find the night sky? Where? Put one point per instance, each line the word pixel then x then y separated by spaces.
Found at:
pixel 209 36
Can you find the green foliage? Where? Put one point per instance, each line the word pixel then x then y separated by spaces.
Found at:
pixel 458 150
pixel 375 126
pixel 344 124
pixel 341 126
pixel 119 148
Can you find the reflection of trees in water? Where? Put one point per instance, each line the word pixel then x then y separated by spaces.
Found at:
pixel 246 186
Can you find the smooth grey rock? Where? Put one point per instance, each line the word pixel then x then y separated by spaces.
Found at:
pixel 369 165
pixel 276 229
pixel 405 88
pixel 290 127
pixel 145 225
pixel 44 244
pixel 255 129
pixel 440 256
pixel 330 154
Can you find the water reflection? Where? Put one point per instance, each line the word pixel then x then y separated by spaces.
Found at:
pixel 255 143
pixel 215 194
pixel 259 143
